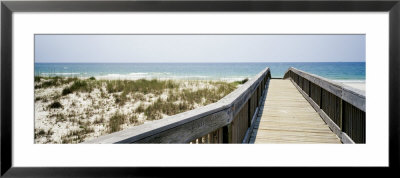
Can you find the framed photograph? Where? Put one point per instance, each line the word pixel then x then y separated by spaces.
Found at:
pixel 110 88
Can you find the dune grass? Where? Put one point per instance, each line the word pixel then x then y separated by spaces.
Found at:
pixel 155 98
pixel 142 86
pixel 115 122
pixel 46 82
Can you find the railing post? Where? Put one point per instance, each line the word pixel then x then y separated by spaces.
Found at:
pixel 257 97
pixel 249 112
pixel 320 99
pixel 341 114
pixel 227 133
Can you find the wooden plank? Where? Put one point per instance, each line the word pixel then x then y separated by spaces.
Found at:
pixel 335 128
pixel 287 117
pixel 189 130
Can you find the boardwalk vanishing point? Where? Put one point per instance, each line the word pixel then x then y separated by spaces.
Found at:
pixel 300 108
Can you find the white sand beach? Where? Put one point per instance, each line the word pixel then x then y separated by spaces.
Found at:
pixel 358 85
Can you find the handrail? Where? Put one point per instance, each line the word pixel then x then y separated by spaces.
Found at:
pixel 225 121
pixel 351 95
pixel 342 107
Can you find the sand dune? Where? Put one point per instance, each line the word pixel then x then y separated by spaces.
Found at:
pixel 76 110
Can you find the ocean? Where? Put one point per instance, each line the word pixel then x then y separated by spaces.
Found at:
pixel 338 71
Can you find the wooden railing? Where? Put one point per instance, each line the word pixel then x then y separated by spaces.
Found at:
pixel 227 121
pixel 342 107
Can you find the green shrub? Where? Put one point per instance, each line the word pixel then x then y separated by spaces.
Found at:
pixel 38 98
pixel 55 105
pixel 37 78
pixel 240 82
pixel 78 85
pixel 92 78
pixel 66 91
pixel 41 132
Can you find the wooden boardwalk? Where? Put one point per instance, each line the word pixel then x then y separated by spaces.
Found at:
pixel 287 117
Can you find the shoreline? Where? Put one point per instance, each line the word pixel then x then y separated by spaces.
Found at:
pixel 358 84
pixel 133 78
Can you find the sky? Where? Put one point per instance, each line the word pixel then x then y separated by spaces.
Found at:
pixel 198 48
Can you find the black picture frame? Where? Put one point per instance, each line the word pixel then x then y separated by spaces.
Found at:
pixel 8 7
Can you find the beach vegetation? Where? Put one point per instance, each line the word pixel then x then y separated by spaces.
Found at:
pixel 140 108
pixel 120 99
pixel 46 82
pixel 155 110
pixel 56 97
pixel 55 105
pixel 103 94
pixel 78 85
pixel 99 120
pixel 241 81
pixel 60 117
pixel 139 97
pixel 115 122
pixel 144 86
pixel 66 91
pixel 42 133
pixel 133 119
pixel 37 78
pixel 77 136
pixel 244 80
pixel 105 110
pixel 38 98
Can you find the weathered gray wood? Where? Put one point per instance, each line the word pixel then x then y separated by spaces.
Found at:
pixel 185 127
pixel 220 135
pixel 189 131
pixel 241 100
pixel 257 114
pixel 148 129
pixel 349 94
pixel 249 130
pixel 346 139
pixel 289 118
pixel 335 128
pixel 354 96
